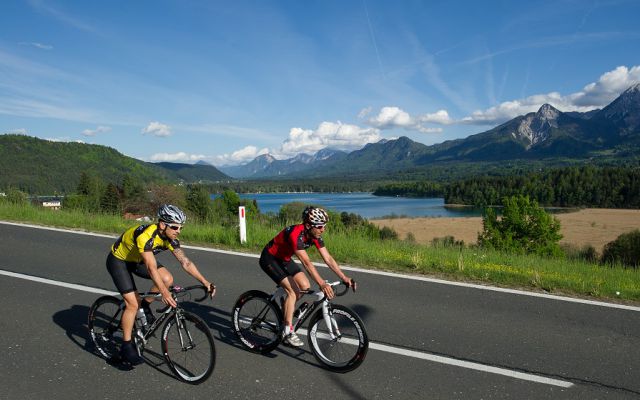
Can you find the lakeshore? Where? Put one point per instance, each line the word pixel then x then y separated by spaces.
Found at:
pixel 589 226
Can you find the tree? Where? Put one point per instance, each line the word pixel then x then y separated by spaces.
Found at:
pixel 110 201
pixel 199 202
pixel 523 228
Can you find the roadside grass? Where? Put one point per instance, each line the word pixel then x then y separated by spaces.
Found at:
pixel 528 272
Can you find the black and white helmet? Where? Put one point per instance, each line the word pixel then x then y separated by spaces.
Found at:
pixel 171 214
pixel 315 216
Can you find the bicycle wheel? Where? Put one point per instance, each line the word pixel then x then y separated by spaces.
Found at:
pixel 188 347
pixel 257 321
pixel 104 325
pixel 346 350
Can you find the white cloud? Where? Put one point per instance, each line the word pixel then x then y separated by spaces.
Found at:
pixel 364 112
pixel 335 135
pixel 439 117
pixel 155 128
pixel 594 95
pixel 93 132
pixel 19 131
pixel 38 45
pixel 241 156
pixel 177 157
pixel 394 117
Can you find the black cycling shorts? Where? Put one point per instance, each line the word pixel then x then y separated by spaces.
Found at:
pixel 277 269
pixel 122 273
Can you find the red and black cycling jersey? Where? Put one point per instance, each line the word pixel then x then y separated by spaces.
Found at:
pixel 289 240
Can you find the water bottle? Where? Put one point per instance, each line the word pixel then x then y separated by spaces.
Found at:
pixel 141 318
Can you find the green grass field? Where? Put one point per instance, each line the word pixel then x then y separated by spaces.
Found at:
pixel 527 272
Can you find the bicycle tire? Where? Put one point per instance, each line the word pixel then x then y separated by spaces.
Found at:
pixel 188 347
pixel 257 321
pixel 344 353
pixel 104 325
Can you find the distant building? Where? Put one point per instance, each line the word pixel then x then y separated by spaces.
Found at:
pixel 50 202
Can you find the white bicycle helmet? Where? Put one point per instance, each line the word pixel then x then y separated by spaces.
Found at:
pixel 171 214
pixel 315 216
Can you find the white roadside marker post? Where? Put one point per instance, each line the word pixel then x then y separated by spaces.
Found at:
pixel 243 224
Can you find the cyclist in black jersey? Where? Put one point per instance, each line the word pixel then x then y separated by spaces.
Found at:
pixel 134 253
pixel 276 262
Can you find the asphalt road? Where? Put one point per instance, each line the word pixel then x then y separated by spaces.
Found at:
pixel 429 340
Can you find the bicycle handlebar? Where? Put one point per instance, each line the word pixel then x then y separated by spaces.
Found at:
pixel 175 290
pixel 343 291
pixel 180 289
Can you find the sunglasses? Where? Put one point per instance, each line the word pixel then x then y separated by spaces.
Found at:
pixel 174 227
pixel 318 226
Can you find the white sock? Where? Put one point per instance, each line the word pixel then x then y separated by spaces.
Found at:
pixel 288 329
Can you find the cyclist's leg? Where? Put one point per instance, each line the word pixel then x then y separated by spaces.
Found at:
pixel 280 272
pixel 132 303
pixel 142 272
pixel 121 274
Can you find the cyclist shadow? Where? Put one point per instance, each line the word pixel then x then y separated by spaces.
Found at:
pixel 218 320
pixel 74 322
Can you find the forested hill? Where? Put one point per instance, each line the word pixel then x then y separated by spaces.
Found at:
pixel 39 166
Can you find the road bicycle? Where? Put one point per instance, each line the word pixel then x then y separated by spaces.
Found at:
pixel 336 334
pixel 186 341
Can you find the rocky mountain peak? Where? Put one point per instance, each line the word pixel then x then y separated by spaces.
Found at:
pixel 626 108
pixel 536 127
pixel 547 112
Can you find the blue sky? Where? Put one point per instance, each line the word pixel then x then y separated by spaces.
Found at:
pixel 226 81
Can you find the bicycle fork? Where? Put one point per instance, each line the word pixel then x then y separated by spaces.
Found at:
pixel 182 332
pixel 330 321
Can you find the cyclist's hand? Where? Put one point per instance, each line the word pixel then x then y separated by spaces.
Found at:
pixel 328 291
pixel 168 299
pixel 211 290
pixel 351 283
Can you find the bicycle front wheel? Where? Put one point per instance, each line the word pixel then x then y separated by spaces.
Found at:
pixel 343 346
pixel 257 321
pixel 188 347
pixel 104 325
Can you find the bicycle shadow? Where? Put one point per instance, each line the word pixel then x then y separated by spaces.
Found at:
pixel 218 320
pixel 74 323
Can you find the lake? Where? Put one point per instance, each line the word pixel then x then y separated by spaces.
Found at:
pixel 364 204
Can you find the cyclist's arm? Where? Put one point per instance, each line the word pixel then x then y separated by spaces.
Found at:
pixel 190 267
pixel 308 265
pixel 152 266
pixel 315 275
pixel 328 259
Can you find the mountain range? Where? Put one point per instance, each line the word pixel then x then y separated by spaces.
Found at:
pixel 548 137
pixel 548 134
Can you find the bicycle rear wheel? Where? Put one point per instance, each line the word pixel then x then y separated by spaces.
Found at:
pixel 257 321
pixel 104 325
pixel 342 349
pixel 188 347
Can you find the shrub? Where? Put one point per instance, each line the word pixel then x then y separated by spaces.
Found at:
pixel 447 241
pixel 524 228
pixel 15 196
pixel 625 250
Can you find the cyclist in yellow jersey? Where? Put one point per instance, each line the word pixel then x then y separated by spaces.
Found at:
pixel 134 253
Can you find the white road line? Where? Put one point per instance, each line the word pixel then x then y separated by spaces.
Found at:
pixel 57 283
pixel 374 272
pixel 372 345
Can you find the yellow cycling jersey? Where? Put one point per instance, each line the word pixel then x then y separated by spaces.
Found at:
pixel 135 240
